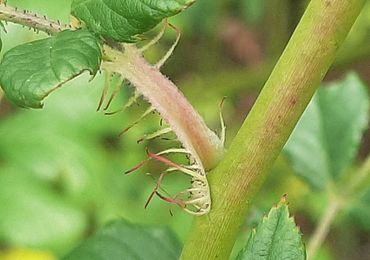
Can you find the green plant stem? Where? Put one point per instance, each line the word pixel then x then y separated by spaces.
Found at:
pixel 32 20
pixel 238 177
pixel 323 228
pixel 360 182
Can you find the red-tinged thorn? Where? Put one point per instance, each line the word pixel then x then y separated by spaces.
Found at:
pixel 136 167
pixel 163 159
pixel 157 186
pixel 112 113
pixel 125 130
pixel 101 100
pixel 149 199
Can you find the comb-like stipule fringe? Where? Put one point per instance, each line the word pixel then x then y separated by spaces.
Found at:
pixel 205 146
pixel 202 146
pixel 198 194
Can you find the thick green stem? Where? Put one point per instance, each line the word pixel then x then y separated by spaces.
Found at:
pixel 282 101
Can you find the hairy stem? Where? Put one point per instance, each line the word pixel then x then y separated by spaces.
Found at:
pixel 238 177
pixel 29 19
pixel 165 97
pixel 323 228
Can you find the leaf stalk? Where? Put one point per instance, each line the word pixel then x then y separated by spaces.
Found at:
pixel 163 94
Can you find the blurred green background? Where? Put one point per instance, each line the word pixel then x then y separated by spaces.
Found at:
pixel 61 168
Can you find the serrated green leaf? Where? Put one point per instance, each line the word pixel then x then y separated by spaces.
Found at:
pixel 328 135
pixel 123 21
pixel 123 240
pixel 276 237
pixel 29 72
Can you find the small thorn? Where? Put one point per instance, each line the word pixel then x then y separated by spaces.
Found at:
pixel 129 103
pixel 136 167
pixel 157 186
pixel 156 134
pixel 105 90
pixel 164 160
pixel 148 111
pixel 114 93
pixel 149 199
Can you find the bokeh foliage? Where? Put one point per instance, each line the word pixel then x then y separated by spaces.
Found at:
pixel 61 168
